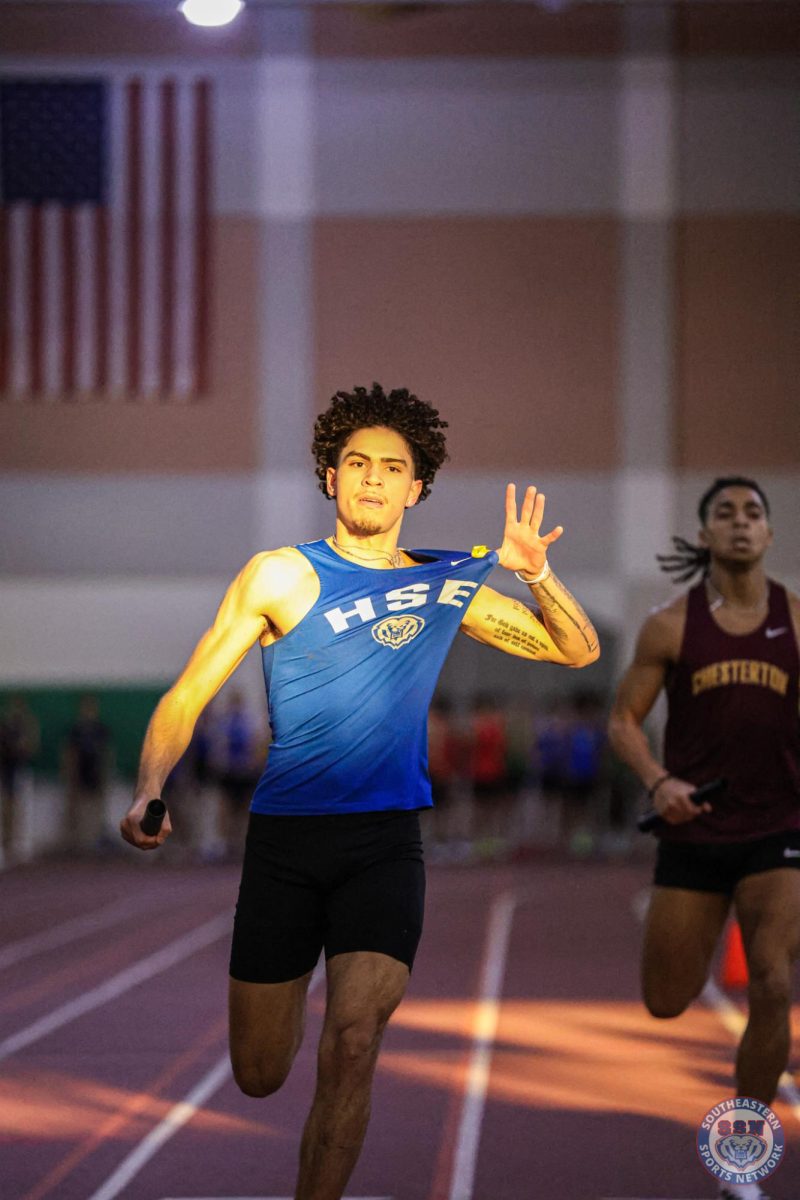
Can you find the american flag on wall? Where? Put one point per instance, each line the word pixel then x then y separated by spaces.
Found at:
pixel 104 238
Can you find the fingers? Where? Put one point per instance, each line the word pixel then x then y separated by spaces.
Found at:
pixel 511 502
pixel 553 535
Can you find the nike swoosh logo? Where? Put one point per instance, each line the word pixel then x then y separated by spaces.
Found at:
pixel 791 853
pixel 455 561
pixel 771 633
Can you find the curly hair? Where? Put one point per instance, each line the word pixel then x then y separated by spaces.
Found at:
pixel 414 419
pixel 687 559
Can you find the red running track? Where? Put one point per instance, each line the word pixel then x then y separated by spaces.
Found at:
pixel 521 1065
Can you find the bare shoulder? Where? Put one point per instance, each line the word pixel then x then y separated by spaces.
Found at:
pixel 661 633
pixel 275 573
pixel 794 609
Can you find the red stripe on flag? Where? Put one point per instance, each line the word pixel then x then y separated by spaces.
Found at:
pixel 202 272
pixel 69 313
pixel 102 314
pixel 134 243
pixel 36 302
pixel 168 187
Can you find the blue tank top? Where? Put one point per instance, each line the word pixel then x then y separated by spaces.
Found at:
pixel 349 687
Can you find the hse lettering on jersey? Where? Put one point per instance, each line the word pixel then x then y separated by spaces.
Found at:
pixel 740 670
pixel 413 595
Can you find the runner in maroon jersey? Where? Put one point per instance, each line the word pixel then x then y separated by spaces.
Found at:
pixel 727 656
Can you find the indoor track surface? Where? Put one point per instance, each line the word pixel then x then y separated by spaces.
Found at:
pixel 520 1066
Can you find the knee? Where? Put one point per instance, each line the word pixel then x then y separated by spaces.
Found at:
pixel 769 985
pixel 258 1079
pixel 664 1003
pixel 354 1045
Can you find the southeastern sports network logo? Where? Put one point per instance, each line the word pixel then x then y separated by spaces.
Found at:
pixel 395 632
pixel 740 1141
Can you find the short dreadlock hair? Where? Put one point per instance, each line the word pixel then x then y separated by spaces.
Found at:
pixel 414 419
pixel 687 559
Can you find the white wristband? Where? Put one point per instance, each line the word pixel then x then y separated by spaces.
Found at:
pixel 540 578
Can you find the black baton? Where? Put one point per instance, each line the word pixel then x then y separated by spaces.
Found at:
pixel 153 817
pixel 652 820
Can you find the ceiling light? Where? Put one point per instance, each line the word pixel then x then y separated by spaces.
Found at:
pixel 211 12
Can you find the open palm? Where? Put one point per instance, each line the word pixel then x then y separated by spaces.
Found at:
pixel 524 548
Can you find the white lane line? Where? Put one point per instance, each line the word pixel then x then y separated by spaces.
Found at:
pixel 178 1116
pixel 486 1021
pixel 63 934
pixel 730 1015
pixel 117 985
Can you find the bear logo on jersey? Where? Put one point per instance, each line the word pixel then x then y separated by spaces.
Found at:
pixel 395 632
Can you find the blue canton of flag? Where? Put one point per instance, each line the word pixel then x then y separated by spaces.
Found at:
pixel 52 142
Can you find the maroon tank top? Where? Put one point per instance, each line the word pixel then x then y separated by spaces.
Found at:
pixel 733 712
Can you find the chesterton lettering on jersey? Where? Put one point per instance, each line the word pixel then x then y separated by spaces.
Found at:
pixel 740 670
pixel 413 595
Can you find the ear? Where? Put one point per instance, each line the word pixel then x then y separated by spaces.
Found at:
pixel 702 537
pixel 330 480
pixel 413 495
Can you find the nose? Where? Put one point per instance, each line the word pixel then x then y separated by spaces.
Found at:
pixel 372 475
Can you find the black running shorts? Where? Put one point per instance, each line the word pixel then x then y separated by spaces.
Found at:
pixel 718 867
pixel 342 882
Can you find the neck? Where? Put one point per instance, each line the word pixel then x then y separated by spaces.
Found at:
pixel 746 589
pixel 371 549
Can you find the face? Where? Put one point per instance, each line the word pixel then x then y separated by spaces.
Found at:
pixel 736 529
pixel 374 481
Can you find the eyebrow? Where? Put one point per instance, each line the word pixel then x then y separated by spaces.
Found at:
pixel 384 459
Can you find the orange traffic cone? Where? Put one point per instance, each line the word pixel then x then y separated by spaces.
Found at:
pixel 734 963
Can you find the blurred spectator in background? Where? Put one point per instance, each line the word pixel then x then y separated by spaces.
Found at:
pixel 584 776
pixel 19 745
pixel 489 777
pixel 549 764
pixel 237 752
pixel 87 764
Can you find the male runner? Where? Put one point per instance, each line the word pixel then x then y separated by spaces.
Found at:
pixel 727 655
pixel 354 631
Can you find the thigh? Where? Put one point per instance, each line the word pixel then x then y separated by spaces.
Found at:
pixel 266 1024
pixel 681 931
pixel 378 910
pixel 768 910
pixel 278 928
pixel 364 989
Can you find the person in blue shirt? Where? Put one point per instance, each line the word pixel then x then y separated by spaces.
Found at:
pixel 353 630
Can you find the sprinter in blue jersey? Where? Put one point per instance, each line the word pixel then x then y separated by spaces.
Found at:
pixel 353 631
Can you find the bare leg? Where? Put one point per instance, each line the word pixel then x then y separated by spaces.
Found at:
pixel 266 1029
pixel 768 908
pixel 682 930
pixel 364 989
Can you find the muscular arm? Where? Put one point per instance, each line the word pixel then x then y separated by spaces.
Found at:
pixel 563 635
pixel 657 647
pixel 247 611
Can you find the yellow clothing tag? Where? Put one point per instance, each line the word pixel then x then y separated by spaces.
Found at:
pixel 480 551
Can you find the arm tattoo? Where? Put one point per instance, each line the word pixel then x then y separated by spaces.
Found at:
pixel 517 636
pixel 551 596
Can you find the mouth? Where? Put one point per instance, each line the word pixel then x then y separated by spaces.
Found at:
pixel 370 501
pixel 740 543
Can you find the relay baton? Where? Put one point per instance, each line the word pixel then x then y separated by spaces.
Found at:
pixel 153 817
pixel 652 820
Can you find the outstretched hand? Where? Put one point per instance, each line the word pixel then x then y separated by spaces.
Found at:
pixel 524 548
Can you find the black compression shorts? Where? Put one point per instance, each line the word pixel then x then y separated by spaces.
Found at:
pixel 718 866
pixel 342 882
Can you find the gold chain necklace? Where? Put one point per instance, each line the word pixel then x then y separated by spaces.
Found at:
pixel 746 608
pixel 394 559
